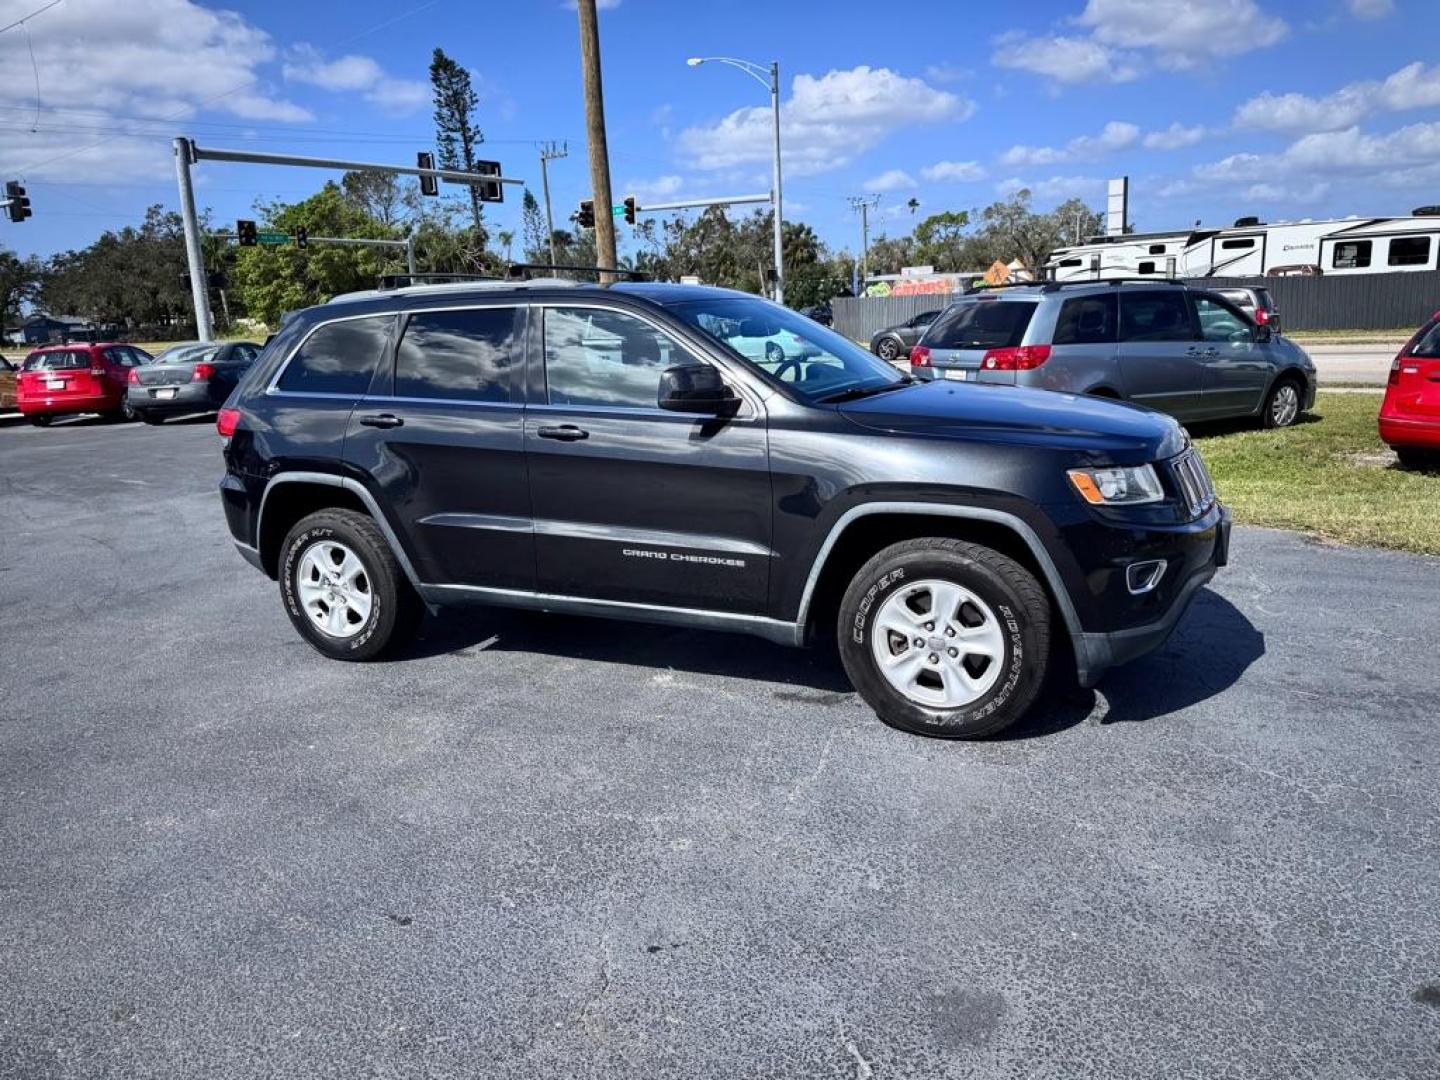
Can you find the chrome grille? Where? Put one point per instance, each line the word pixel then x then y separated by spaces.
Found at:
pixel 1192 479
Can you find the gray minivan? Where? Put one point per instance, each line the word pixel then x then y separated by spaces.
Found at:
pixel 1188 352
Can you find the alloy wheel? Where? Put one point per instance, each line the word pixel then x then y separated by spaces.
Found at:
pixel 334 588
pixel 1285 406
pixel 938 644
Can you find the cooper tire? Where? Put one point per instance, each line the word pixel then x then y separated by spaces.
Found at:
pixel 887 350
pixel 1283 404
pixel 393 610
pixel 997 587
pixel 1417 460
pixel 40 419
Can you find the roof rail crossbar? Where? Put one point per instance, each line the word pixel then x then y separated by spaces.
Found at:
pixel 1054 286
pixel 525 271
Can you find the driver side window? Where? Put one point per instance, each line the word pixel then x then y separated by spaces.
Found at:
pixel 1220 322
pixel 594 356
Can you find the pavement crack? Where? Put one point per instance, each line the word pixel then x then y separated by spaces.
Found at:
pixel 863 1071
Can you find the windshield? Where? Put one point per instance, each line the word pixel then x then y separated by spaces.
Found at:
pixel 811 359
pixel 192 353
pixel 981 324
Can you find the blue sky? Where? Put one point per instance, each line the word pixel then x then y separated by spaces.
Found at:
pixel 1214 108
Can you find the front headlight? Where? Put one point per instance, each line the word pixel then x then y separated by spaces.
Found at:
pixel 1118 486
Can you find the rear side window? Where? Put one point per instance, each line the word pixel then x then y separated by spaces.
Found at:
pixel 338 358
pixel 1427 343
pixel 123 357
pixel 58 360
pixel 464 355
pixel 981 324
pixel 1155 316
pixel 1086 320
pixel 1351 255
pixel 1409 251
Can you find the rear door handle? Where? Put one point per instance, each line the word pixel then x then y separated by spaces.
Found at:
pixel 382 420
pixel 563 432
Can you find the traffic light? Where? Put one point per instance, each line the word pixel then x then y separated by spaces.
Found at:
pixel 19 208
pixel 630 209
pixel 302 236
pixel 429 185
pixel 493 191
pixel 586 217
pixel 245 233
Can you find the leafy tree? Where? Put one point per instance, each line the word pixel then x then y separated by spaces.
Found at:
pixel 380 196
pixel 1012 227
pixel 19 282
pixel 507 240
pixel 274 280
pixel 940 241
pixel 535 244
pixel 136 276
pixel 889 254
pixel 456 133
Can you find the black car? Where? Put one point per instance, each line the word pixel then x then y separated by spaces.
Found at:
pixel 187 378
pixel 821 313
pixel 894 342
pixel 591 450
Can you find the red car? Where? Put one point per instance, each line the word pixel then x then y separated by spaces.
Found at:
pixel 1410 415
pixel 60 380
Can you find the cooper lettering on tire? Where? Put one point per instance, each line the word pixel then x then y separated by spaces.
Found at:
pixel 944 637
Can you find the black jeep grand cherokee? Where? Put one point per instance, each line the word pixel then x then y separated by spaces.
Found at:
pixel 637 451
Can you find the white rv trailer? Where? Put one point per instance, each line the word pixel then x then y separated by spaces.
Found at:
pixel 1252 249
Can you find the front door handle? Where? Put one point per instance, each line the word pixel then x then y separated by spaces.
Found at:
pixel 382 420
pixel 563 432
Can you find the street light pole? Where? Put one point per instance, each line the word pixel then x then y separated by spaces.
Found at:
pixel 770 79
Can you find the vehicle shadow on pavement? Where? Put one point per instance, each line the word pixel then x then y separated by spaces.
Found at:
pixel 1210 650
pixel 462 632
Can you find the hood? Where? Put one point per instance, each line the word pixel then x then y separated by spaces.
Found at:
pixel 1010 414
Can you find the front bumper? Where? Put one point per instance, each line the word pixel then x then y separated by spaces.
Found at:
pixel 1098 651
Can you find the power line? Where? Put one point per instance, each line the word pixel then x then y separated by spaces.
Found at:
pixel 37 11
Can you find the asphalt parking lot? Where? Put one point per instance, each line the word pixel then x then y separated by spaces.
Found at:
pixel 543 846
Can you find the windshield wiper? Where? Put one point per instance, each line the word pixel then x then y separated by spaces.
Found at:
pixel 856 392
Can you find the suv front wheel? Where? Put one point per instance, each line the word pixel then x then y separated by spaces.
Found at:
pixel 343 588
pixel 945 638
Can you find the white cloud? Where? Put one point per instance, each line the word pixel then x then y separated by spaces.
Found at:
pixel 1174 137
pixel 660 189
pixel 165 59
pixel 1370 9
pixel 1055 188
pixel 1183 33
pixel 890 180
pixel 352 73
pixel 1414 86
pixel 1127 36
pixel 1116 135
pixel 953 171
pixel 1064 59
pixel 947 73
pixel 827 122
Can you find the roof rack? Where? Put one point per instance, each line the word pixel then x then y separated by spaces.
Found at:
pixel 404 281
pixel 527 271
pixel 1073 283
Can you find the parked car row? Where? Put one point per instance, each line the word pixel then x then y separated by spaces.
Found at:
pixel 124 382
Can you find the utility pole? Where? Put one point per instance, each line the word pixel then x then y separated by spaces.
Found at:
pixel 595 136
pixel 864 204
pixel 549 152
pixel 199 291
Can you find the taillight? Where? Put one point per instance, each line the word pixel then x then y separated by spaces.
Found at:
pixel 1016 358
pixel 920 356
pixel 1262 316
pixel 227 422
pixel 133 378
pixel 203 372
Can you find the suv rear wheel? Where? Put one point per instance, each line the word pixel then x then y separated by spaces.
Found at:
pixel 946 638
pixel 343 588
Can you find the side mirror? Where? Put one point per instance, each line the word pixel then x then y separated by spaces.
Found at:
pixel 695 388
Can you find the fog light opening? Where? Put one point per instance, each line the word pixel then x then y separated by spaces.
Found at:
pixel 1142 577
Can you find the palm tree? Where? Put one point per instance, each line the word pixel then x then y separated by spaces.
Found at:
pixel 913 204
pixel 506 238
